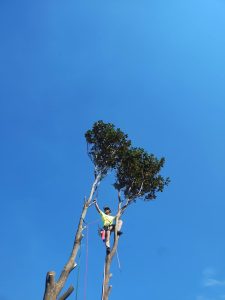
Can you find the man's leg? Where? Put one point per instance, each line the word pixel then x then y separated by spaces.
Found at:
pixel 107 238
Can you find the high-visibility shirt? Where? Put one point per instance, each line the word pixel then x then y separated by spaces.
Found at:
pixel 107 219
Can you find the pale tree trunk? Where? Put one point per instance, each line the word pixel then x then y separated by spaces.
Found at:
pixel 106 287
pixel 53 287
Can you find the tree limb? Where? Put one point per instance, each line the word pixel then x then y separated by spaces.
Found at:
pixel 141 188
pixel 54 290
pixel 67 293
pixel 119 197
pixel 49 285
pixel 128 202
pixel 106 287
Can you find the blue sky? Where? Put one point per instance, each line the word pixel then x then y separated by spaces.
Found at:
pixel 156 69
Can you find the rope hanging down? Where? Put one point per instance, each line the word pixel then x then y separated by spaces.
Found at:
pixel 118 259
pixel 86 263
pixel 87 253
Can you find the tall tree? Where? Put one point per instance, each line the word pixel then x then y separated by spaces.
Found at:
pixel 137 175
pixel 104 145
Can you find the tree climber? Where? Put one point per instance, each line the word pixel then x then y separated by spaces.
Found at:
pixel 108 224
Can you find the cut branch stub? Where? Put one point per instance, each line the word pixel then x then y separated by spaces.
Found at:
pixel 50 286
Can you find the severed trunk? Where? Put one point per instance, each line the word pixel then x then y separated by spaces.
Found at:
pixel 53 287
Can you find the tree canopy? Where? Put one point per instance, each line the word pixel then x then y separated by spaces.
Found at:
pixel 137 175
pixel 137 172
pixel 106 146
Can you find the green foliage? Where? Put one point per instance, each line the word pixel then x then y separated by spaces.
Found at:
pixel 106 146
pixel 137 173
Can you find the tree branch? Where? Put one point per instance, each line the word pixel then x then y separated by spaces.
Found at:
pixel 126 205
pixel 119 197
pixel 130 186
pixel 141 188
pixel 109 290
pixel 94 187
pixel 69 266
pixel 119 202
pixel 106 287
pixel 49 285
pixel 67 293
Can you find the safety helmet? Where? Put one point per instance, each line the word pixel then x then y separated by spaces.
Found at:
pixel 107 208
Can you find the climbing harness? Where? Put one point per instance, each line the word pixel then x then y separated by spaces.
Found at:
pixel 102 234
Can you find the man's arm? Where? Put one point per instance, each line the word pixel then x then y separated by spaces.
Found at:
pixel 96 206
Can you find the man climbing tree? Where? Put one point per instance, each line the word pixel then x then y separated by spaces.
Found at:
pixel 108 224
pixel 137 176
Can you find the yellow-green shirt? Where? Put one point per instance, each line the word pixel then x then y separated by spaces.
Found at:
pixel 107 219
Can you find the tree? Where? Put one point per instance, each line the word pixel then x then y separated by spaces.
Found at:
pixel 137 176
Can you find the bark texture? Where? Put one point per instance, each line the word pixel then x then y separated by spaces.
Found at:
pixel 53 288
pixel 106 287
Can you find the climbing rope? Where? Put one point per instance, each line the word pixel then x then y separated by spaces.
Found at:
pixel 103 281
pixel 87 254
pixel 118 260
pixel 86 262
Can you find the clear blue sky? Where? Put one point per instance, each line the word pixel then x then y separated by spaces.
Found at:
pixel 156 69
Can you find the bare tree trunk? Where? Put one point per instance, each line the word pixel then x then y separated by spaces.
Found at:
pixel 52 287
pixel 106 287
